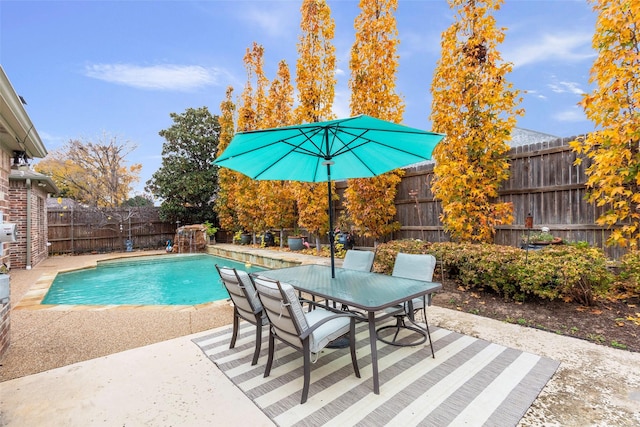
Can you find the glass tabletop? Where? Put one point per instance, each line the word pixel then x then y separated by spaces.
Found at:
pixel 363 290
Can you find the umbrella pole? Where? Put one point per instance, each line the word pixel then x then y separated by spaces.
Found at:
pixel 332 249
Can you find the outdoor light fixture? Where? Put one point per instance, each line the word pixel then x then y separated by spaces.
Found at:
pixel 20 158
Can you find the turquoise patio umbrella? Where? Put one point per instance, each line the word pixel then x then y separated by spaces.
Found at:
pixel 335 150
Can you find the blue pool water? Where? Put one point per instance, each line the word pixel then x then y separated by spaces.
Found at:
pixel 149 280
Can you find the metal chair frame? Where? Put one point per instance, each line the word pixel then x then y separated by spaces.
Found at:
pixel 243 307
pixel 284 303
pixel 409 311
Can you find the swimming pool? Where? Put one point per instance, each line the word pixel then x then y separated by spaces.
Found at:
pixel 150 280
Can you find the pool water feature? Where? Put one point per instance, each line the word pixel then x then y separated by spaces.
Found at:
pixel 148 280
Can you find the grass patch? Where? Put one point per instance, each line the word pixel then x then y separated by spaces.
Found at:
pixel 616 344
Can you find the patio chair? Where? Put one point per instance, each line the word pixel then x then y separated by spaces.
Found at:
pixel 418 267
pixel 306 332
pixel 353 260
pixel 358 260
pixel 246 304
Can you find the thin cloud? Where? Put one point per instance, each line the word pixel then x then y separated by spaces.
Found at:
pixel 566 87
pixel 574 114
pixel 156 77
pixel 415 43
pixel 534 93
pixel 341 103
pixel 274 19
pixel 551 47
pixel 52 141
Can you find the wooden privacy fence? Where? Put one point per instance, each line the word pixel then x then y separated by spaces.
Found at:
pixel 82 230
pixel 543 183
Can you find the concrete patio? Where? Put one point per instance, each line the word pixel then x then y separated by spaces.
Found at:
pixel 138 366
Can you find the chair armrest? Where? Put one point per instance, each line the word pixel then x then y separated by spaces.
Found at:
pixel 325 320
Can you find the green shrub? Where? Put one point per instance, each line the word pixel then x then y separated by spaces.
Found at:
pixel 484 266
pixel 570 272
pixel 628 283
pixel 386 253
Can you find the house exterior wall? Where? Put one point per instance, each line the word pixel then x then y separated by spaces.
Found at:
pixel 19 195
pixel 4 327
pixel 17 215
pixel 17 135
pixel 5 306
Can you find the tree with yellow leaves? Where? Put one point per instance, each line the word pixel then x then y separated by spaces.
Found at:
pixel 276 199
pixel 475 106
pixel 226 177
pixel 94 173
pixel 315 79
pixel 316 65
pixel 614 107
pixel 251 115
pixel 370 203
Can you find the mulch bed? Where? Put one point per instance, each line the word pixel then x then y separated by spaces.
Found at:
pixel 614 323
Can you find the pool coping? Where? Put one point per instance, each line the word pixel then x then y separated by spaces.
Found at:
pixel 32 299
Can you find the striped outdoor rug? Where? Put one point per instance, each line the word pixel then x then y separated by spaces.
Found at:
pixel 470 382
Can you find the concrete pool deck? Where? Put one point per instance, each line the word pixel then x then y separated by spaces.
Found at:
pixel 137 365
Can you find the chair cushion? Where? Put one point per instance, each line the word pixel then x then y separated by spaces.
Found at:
pixel 328 332
pixel 247 305
pixel 251 290
pixel 296 307
pixel 270 288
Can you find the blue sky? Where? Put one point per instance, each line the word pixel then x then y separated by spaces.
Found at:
pixel 87 68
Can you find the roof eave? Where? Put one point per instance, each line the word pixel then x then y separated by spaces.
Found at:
pixel 17 132
pixel 36 178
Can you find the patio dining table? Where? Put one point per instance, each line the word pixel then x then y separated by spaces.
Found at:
pixel 369 292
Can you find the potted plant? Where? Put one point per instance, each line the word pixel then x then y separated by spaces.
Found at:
pixel 211 231
pixel 538 239
pixel 240 237
pixel 296 241
pixel 268 239
pixel 245 238
pixel 342 235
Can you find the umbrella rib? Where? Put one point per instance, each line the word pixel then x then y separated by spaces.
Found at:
pixel 349 148
pixel 328 140
pixel 294 148
pixel 361 139
pixel 293 152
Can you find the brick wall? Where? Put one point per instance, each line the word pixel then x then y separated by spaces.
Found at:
pixel 5 168
pixel 17 215
pixel 19 195
pixel 4 328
